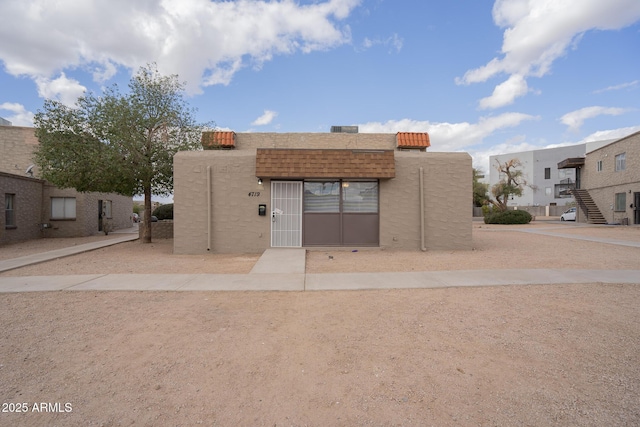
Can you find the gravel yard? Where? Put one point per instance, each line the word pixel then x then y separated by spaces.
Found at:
pixel 561 355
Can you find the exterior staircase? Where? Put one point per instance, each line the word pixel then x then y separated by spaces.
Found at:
pixel 588 206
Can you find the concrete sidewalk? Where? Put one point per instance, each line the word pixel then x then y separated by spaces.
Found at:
pixel 587 238
pixel 313 282
pixel 281 260
pixel 283 269
pixel 10 264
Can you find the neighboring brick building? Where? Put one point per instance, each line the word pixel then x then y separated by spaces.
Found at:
pixel 262 190
pixel 611 175
pixel 21 208
pixel 32 208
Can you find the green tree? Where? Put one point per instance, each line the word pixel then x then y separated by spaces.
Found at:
pixel 512 182
pixel 480 189
pixel 122 143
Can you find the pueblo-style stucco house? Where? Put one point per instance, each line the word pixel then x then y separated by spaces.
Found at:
pixel 31 208
pixel 253 191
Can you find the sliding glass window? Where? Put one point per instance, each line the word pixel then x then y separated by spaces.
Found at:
pixel 322 197
pixel 360 197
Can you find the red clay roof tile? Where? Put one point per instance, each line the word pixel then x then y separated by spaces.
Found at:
pixel 218 139
pixel 413 140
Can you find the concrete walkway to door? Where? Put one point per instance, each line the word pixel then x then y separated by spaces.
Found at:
pixel 281 261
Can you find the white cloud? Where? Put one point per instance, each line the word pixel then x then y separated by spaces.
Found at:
pixel 632 84
pixel 611 134
pixel 575 119
pixel 18 116
pixel 394 42
pixel 468 136
pixel 61 89
pixel 450 136
pixel 104 72
pixel 537 32
pixel 204 42
pixel 506 92
pixel 265 119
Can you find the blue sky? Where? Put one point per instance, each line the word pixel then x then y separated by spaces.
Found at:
pixel 487 77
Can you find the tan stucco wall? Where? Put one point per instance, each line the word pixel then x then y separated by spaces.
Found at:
pixel 447 198
pixel 159 230
pixel 17 145
pixel 350 141
pixel 237 227
pixel 603 185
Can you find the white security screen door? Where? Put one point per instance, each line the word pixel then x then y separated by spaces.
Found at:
pixel 286 214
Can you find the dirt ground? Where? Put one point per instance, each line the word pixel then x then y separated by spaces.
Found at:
pixel 561 355
pixel 494 247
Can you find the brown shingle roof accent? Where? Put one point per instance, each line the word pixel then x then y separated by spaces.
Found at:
pixel 218 139
pixel 413 140
pixel 334 163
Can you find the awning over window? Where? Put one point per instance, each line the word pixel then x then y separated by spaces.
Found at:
pixel 330 163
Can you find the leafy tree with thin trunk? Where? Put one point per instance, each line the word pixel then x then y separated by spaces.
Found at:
pixel 121 143
pixel 480 189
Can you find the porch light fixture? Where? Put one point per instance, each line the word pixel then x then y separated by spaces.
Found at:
pixel 260 186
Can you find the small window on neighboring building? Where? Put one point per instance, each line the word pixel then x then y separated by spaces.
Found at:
pixel 566 173
pixel 9 210
pixel 599 166
pixel 621 202
pixel 107 208
pixel 547 191
pixel 63 208
pixel 621 162
pixel 547 173
pixel 563 191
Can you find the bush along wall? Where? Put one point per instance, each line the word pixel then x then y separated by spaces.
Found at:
pixel 508 217
pixel 163 212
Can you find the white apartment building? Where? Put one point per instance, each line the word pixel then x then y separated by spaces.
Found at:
pixel 547 184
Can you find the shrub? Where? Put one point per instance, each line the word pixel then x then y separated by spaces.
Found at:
pixel 508 217
pixel 486 210
pixel 163 212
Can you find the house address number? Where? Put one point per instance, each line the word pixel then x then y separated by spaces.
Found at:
pixel 254 194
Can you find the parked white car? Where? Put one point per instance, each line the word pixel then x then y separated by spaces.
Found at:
pixel 568 215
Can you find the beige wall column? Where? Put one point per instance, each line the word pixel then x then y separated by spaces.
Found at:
pixel 423 248
pixel 209 208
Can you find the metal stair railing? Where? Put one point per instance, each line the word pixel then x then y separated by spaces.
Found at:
pixel 588 206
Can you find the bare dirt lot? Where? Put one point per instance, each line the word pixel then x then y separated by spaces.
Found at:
pixel 495 247
pixel 561 355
